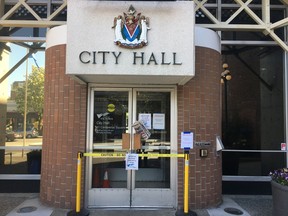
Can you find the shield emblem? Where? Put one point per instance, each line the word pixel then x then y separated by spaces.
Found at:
pixel 131 30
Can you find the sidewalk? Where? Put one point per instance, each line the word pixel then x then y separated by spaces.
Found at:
pixel 20 204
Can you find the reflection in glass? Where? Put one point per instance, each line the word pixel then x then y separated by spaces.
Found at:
pixel 255 115
pixel 154 172
pixel 21 162
pixel 110 122
pixel 252 163
pixel 21 110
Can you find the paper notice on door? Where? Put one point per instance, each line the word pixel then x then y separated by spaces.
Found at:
pixel 159 121
pixel 141 129
pixel 145 118
pixel 132 161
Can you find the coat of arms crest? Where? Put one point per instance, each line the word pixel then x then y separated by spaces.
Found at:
pixel 131 30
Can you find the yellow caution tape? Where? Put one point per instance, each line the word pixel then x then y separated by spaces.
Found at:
pixel 121 155
pixel 160 155
pixel 107 155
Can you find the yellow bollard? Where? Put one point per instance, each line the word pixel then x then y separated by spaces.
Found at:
pixel 186 184
pixel 78 182
pixel 186 211
pixel 78 211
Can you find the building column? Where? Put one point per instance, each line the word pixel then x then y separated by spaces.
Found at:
pixel 64 131
pixel 199 111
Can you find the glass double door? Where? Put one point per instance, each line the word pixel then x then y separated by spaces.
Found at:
pixel 117 114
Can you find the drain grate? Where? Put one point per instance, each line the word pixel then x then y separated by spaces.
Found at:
pixel 233 211
pixel 27 209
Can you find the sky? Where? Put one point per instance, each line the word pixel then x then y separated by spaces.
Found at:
pixel 17 53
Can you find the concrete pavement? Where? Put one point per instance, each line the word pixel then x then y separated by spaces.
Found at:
pixel 29 205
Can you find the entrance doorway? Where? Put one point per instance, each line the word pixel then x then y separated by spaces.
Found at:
pixel 112 115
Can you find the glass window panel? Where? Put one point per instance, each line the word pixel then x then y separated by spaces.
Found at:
pixel 154 172
pixel 20 162
pixel 14 160
pixel 253 115
pixel 110 117
pixel 110 122
pixel 252 163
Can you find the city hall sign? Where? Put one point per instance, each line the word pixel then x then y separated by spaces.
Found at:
pixel 148 42
pixel 100 57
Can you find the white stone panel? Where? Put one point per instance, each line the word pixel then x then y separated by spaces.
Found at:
pixel 170 40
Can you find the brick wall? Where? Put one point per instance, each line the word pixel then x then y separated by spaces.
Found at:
pixel 199 111
pixel 64 131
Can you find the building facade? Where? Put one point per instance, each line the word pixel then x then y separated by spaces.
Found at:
pixel 90 108
pixel 95 116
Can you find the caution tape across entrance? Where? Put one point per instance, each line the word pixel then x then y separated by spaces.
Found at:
pixel 122 155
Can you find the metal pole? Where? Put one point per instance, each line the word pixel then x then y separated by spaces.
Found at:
pixel 25 105
pixel 185 211
pixel 78 211
pixel 78 186
pixel 226 109
pixel 186 183
pixel 286 102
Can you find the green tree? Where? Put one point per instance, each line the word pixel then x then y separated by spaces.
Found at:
pixel 35 94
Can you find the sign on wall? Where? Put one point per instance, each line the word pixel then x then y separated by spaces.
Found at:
pixel 187 140
pixel 130 42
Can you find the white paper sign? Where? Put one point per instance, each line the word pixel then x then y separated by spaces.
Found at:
pixel 141 129
pixel 187 140
pixel 159 121
pixel 132 161
pixel 146 119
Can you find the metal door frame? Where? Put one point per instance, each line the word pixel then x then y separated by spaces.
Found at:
pixel 173 139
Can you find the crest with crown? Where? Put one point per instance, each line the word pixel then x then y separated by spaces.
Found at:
pixel 131 29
